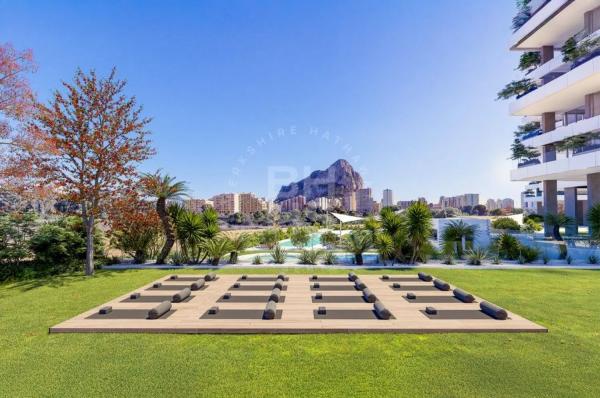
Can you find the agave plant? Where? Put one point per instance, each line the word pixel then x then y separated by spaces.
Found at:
pixel 178 258
pixel 357 242
pixel 257 260
pixel 476 256
pixel 278 254
pixel 309 256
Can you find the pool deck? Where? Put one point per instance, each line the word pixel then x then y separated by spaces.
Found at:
pixel 298 311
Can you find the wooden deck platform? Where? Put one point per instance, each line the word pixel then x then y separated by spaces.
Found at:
pixel 298 313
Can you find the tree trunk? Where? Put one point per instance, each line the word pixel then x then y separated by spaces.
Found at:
pixel 233 258
pixel 359 258
pixel 463 241
pixel 161 209
pixel 89 252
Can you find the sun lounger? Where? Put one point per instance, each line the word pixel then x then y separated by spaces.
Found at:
pixel 211 276
pixel 425 277
pixel 275 295
pixel 463 296
pixel 381 311
pixel 270 310
pixel 159 310
pixel 199 284
pixel 181 295
pixel 440 284
pixel 369 296
pixel 493 310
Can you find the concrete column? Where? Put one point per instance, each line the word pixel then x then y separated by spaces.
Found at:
pixel 547 53
pixel 548 121
pixel 550 202
pixel 572 210
pixel 593 189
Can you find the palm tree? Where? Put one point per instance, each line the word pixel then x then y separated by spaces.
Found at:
pixel 190 231
pixel 372 225
pixel 238 244
pixel 556 221
pixel 216 248
pixel 357 242
pixel 163 188
pixel 458 231
pixel 593 217
pixel 418 228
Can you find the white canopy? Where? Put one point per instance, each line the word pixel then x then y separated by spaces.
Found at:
pixel 346 218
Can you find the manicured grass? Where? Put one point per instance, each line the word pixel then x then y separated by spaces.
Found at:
pixel 563 362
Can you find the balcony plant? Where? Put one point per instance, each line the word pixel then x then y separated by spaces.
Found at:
pixel 522 152
pixel 575 142
pixel 529 61
pixel 523 14
pixel 516 88
pixel 573 50
pixel 526 129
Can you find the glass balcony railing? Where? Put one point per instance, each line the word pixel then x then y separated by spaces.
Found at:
pixel 594 145
pixel 531 134
pixel 529 162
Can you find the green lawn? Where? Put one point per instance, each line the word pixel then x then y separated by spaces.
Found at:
pixel 563 362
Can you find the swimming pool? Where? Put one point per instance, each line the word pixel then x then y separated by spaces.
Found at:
pixel 314 241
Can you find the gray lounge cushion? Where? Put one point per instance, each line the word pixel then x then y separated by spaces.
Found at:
pixel 360 285
pixel 425 277
pixel 314 277
pixel 159 310
pixel 157 285
pixel 173 277
pixel 282 277
pixel 440 284
pixel 319 296
pixel 181 295
pixel 381 311
pixel 352 276
pixel 134 296
pixel 430 310
pixel 278 284
pixel 396 285
pixel 211 276
pixel 213 310
pixel 322 311
pixel 105 310
pixel 198 284
pixel 369 296
pixel 270 310
pixel 493 310
pixel 411 296
pixel 275 295
pixel 463 296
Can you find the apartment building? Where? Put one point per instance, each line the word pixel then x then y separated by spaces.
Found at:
pixel 226 203
pixel 295 203
pixel 364 200
pixel 197 205
pixel 249 203
pixel 349 201
pixel 460 201
pixel 560 102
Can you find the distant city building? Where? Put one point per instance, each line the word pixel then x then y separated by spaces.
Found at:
pixel 295 203
pixel 507 204
pixel 388 198
pixel 460 201
pixel 491 204
pixel 364 200
pixel 376 208
pixel 226 203
pixel 249 203
pixel 197 205
pixel 349 201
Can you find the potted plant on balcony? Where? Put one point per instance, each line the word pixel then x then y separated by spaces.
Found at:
pixel 523 153
pixel 517 88
pixel 529 61
pixel 575 142
pixel 523 14
pixel 572 50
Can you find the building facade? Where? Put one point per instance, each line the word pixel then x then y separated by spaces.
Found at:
pixel 349 201
pixel 388 198
pixel 197 205
pixel 364 200
pixel 560 100
pixel 249 203
pixel 295 203
pixel 460 201
pixel 226 203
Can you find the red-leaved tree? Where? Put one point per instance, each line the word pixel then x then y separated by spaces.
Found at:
pixel 98 137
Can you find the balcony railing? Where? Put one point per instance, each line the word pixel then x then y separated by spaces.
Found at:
pixel 529 162
pixel 527 12
pixel 531 134
pixel 592 146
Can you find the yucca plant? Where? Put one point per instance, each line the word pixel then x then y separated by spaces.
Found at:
pixel 309 256
pixel 278 254
pixel 257 260
pixel 329 258
pixel 385 246
pixel 178 258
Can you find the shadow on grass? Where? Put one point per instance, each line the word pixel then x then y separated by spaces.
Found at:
pixel 56 281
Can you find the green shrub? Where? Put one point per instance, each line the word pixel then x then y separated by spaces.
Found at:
pixel 278 254
pixel 330 239
pixel 178 258
pixel 506 223
pixel 529 254
pixel 309 256
pixel 329 258
pixel 569 259
pixel 57 249
pixel 562 252
pixel 257 260
pixel 507 246
pixel 592 259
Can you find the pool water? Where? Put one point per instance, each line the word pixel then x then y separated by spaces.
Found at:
pixel 315 239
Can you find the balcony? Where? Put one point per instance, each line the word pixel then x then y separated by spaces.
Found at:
pixel 552 24
pixel 573 168
pixel 562 132
pixel 564 93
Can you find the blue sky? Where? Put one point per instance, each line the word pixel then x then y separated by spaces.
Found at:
pixel 245 95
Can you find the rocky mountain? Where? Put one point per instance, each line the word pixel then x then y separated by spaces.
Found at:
pixel 335 181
